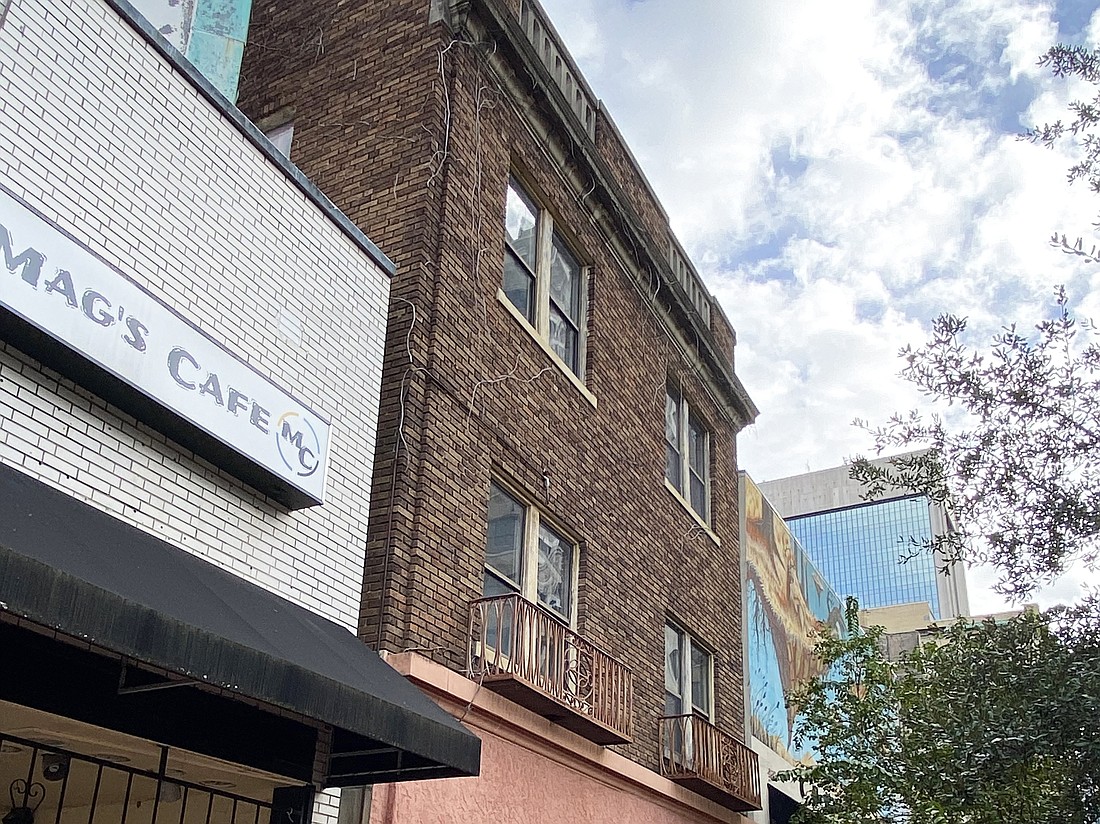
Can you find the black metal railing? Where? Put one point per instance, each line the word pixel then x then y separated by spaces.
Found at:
pixel 45 783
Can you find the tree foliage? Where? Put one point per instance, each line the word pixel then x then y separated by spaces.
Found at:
pixel 1018 463
pixel 987 723
pixel 1075 61
pixel 850 719
pixel 1015 453
pixel 1084 63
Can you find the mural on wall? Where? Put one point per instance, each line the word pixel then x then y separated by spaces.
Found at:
pixel 787 601
pixel 209 33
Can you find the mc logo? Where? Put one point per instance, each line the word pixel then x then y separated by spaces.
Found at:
pixel 299 446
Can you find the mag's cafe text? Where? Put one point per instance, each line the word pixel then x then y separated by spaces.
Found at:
pixel 99 313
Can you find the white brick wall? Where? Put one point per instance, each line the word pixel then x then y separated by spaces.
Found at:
pixel 102 135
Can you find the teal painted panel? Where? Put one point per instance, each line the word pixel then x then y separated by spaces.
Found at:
pixel 229 18
pixel 219 59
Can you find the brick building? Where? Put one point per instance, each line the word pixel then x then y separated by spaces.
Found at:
pixel 191 346
pixel 553 548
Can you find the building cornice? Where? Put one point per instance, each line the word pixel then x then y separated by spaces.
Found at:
pixel 616 216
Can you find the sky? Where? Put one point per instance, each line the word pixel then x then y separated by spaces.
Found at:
pixel 842 173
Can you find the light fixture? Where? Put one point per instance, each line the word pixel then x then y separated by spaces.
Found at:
pixel 169 792
pixel 55 766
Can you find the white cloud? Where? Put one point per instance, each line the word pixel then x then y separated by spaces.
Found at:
pixel 1067 589
pixel 841 173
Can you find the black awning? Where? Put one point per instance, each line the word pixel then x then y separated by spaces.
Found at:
pixel 68 567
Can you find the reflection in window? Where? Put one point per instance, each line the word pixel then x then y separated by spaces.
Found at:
pixel 526 555
pixel 565 301
pixel 520 256
pixel 542 277
pixel 687 453
pixel 859 550
pixel 504 537
pixel 688 675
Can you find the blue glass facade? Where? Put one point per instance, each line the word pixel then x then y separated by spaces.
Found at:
pixel 860 549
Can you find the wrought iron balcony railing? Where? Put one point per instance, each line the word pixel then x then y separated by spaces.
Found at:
pixel 700 756
pixel 524 652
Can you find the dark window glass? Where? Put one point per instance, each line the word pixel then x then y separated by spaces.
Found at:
pixel 504 538
pixel 565 280
pixel 563 338
pixel 673 458
pixel 674 690
pixel 521 225
pixel 518 284
pixel 686 690
pixel 565 303
pixel 521 250
pixel 532 273
pixel 697 465
pixel 700 681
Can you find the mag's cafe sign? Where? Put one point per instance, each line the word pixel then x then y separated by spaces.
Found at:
pixel 55 284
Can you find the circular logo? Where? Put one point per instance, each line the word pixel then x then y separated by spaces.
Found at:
pixel 299 446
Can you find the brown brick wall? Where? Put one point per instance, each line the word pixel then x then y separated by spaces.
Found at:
pixel 628 177
pixel 724 338
pixel 479 398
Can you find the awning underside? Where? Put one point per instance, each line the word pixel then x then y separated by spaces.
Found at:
pixel 68 567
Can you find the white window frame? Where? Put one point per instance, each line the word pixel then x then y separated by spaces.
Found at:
pixel 527 588
pixel 682 484
pixel 687 643
pixel 545 234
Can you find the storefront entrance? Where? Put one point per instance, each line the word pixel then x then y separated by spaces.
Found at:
pixel 55 770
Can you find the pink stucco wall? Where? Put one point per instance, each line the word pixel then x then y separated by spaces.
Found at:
pixel 521 786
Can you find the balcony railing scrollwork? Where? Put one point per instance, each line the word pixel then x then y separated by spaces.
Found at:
pixel 526 653
pixel 707 760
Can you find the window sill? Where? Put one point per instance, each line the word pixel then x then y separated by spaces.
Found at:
pixel 695 515
pixel 562 366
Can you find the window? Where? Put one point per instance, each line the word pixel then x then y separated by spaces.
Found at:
pixel 687 453
pixel 688 675
pixel 524 554
pixel 542 277
pixel 281 137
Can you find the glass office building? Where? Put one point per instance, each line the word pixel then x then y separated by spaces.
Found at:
pixel 859 546
pixel 868 551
